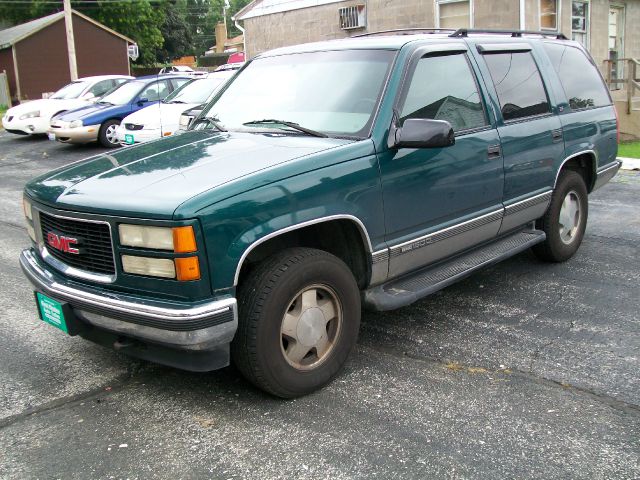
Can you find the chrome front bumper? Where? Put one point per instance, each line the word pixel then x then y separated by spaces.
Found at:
pixel 191 328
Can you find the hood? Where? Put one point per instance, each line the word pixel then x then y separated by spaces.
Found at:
pixel 152 179
pixel 87 111
pixel 159 114
pixel 48 105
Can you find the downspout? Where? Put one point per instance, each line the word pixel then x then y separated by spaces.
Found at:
pixel 16 74
pixel 522 16
pixel 244 37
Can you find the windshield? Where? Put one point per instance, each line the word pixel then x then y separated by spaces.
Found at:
pixel 124 94
pixel 330 92
pixel 196 91
pixel 73 90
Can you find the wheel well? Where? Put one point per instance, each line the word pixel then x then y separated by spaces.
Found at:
pixel 341 238
pixel 583 164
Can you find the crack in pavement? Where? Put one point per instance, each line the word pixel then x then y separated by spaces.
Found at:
pixel 13 225
pixel 612 402
pixel 118 384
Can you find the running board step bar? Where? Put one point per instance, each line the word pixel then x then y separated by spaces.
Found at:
pixel 416 285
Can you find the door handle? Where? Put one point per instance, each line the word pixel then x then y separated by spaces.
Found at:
pixel 556 135
pixel 493 152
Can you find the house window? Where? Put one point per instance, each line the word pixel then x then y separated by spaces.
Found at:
pixel 353 17
pixel 580 22
pixel 549 14
pixel 454 14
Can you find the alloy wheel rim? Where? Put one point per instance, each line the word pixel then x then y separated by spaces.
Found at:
pixel 111 134
pixel 311 327
pixel 570 217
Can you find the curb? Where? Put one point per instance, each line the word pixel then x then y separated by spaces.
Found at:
pixel 630 163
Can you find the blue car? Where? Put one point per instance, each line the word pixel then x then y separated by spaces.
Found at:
pixel 99 121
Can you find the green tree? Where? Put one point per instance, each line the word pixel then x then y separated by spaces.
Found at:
pixel 138 20
pixel 176 31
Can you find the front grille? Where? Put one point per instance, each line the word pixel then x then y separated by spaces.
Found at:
pixel 133 126
pixel 94 243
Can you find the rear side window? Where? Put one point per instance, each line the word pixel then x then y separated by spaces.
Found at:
pixel 579 77
pixel 518 84
pixel 444 88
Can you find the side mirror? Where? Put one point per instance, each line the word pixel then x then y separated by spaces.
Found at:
pixel 90 97
pixel 423 133
pixel 142 101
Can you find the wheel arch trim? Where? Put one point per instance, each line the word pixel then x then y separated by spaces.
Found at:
pixel 590 152
pixel 361 228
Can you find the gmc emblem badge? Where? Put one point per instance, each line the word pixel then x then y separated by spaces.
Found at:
pixel 64 244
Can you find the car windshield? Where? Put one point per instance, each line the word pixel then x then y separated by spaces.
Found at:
pixel 73 90
pixel 124 94
pixel 332 92
pixel 196 91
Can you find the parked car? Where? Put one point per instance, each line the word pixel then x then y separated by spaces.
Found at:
pixel 230 66
pixel 377 169
pixel 163 119
pixel 33 117
pixel 100 120
pixel 181 70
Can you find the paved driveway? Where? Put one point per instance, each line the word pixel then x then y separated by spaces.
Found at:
pixel 525 370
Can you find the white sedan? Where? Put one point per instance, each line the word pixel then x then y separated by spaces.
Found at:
pixel 163 119
pixel 33 117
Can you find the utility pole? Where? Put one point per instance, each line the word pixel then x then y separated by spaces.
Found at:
pixel 71 45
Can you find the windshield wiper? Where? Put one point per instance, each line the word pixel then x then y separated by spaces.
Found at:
pixel 295 126
pixel 105 103
pixel 176 101
pixel 210 121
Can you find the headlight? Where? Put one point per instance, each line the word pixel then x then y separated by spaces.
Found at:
pixel 178 239
pixel 28 212
pixel 75 124
pixel 33 114
pixel 154 267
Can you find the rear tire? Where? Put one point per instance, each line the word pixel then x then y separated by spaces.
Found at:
pixel 107 135
pixel 565 221
pixel 299 316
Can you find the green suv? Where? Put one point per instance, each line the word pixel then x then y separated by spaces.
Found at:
pixel 366 171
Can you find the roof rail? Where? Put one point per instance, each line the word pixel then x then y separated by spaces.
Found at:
pixel 406 31
pixel 464 32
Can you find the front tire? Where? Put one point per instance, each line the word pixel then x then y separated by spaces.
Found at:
pixel 299 316
pixel 565 221
pixel 107 135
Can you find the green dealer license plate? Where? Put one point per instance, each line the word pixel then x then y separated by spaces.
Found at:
pixel 51 312
pixel 128 139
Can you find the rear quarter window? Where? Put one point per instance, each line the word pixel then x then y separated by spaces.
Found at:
pixel 518 85
pixel 579 77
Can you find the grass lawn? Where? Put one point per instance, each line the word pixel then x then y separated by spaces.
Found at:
pixel 629 150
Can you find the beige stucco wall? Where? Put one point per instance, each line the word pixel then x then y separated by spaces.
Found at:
pixel 322 23
pixel 501 14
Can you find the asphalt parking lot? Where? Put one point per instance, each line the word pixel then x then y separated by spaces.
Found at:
pixel 525 370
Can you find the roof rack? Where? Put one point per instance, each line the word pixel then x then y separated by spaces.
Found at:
pixel 464 32
pixel 407 31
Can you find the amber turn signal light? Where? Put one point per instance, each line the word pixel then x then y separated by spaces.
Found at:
pixel 187 269
pixel 184 240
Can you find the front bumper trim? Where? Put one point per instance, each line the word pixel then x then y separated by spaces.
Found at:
pixel 190 327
